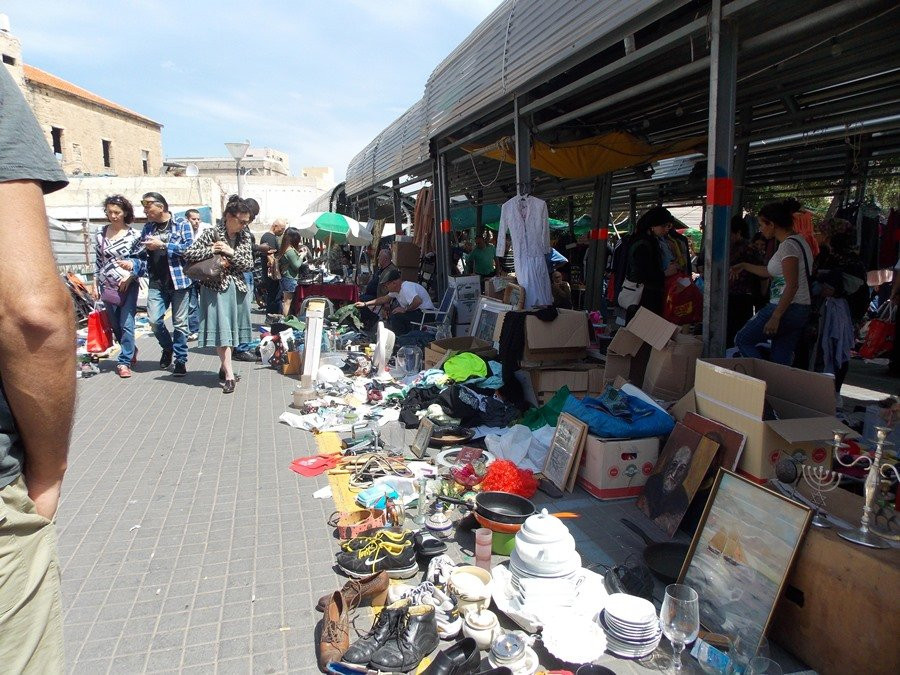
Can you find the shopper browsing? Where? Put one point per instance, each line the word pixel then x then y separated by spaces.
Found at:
pixel 783 319
pixel 411 299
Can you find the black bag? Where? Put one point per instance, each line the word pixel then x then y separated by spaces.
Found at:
pixel 210 269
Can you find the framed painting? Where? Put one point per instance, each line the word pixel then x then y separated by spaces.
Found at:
pixel 423 438
pixel 514 296
pixel 677 476
pixel 487 315
pixel 566 446
pixel 741 554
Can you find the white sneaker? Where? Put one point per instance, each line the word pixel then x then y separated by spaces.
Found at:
pixel 446 611
pixel 439 570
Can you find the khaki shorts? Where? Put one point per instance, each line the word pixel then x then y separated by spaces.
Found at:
pixel 30 612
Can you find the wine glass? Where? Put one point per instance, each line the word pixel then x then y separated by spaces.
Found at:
pixel 759 665
pixel 679 619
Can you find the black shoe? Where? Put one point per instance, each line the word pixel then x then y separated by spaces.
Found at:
pixel 416 637
pixel 166 359
pixel 385 626
pixel 427 545
pixel 229 387
pixel 389 535
pixel 460 659
pixel 245 356
pixel 180 369
pixel 398 560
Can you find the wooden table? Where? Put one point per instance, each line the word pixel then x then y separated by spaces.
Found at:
pixel 839 610
pixel 337 293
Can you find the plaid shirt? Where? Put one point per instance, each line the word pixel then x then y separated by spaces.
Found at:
pixel 181 237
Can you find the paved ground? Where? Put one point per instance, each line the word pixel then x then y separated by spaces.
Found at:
pixel 186 543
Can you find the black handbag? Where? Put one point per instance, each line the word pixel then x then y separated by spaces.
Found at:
pixel 210 269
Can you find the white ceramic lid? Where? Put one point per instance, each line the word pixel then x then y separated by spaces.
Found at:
pixel 484 618
pixel 542 528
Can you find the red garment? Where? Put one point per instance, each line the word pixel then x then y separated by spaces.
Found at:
pixel 803 224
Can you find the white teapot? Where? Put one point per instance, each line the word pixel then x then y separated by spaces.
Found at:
pixel 482 626
pixel 544 544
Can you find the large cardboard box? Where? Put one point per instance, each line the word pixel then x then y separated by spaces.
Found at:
pixel 617 468
pixel 582 379
pixel 468 288
pixel 405 254
pixel 465 310
pixel 651 351
pixel 564 339
pixel 435 351
pixel 782 410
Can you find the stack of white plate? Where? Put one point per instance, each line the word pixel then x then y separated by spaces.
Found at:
pixel 631 625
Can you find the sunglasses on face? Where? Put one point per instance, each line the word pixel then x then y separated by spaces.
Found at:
pixel 149 202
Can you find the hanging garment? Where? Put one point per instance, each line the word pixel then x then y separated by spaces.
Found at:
pixel 526 220
pixel 837 334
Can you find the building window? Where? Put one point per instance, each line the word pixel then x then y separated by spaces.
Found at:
pixel 56 135
pixel 145 161
pixel 9 60
pixel 107 154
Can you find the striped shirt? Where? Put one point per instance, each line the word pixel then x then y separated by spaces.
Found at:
pixel 108 251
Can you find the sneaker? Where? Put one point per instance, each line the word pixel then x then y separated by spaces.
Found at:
pixel 192 337
pixel 180 369
pixel 166 359
pixel 123 371
pixel 245 356
pixel 398 560
pixel 388 535
pixel 449 622
pixel 439 570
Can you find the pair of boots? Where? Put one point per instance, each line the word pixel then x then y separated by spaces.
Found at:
pixel 336 606
pixel 402 635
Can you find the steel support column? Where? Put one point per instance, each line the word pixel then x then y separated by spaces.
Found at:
pixel 479 213
pixel 523 152
pixel 441 223
pixel 395 195
pixel 740 159
pixel 596 261
pixel 719 184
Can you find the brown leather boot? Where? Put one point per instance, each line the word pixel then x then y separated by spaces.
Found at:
pixel 372 588
pixel 335 638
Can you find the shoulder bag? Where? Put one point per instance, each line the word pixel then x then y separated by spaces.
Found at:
pixel 207 270
pixel 630 294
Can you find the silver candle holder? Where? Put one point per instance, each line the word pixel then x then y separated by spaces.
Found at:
pixel 863 535
pixel 820 481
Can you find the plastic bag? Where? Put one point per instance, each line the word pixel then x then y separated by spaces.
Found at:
pixel 684 301
pixel 880 334
pixel 99 332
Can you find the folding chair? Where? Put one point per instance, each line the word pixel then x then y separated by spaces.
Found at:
pixel 433 318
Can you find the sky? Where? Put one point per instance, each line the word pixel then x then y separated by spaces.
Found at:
pixel 318 80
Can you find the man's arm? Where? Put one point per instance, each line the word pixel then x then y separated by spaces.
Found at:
pixel 37 341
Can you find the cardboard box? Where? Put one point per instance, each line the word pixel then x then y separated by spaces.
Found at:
pixel 616 469
pixel 435 351
pixel 564 339
pixel 652 351
pixel 468 289
pixel 465 310
pixel 462 330
pixel 409 273
pixel 738 393
pixel 495 287
pixel 581 379
pixel 405 254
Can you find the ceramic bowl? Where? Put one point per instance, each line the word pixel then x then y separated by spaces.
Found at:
pixel 472 586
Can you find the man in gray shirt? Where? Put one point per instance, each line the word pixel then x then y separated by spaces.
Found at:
pixel 37 396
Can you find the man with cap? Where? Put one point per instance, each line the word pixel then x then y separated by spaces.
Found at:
pixel 163 240
pixel 411 300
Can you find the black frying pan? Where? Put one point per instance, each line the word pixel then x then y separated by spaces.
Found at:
pixel 499 507
pixel 663 558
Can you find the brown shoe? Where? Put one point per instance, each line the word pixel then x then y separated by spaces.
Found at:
pixel 335 639
pixel 357 590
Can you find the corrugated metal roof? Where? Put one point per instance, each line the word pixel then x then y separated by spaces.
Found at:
pixel 400 148
pixel 517 44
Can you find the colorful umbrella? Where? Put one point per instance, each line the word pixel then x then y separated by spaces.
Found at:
pixel 335 227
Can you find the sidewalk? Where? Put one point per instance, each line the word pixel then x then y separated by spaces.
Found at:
pixel 186 543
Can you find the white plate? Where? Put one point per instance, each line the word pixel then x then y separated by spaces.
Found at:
pixel 630 609
pixel 574 640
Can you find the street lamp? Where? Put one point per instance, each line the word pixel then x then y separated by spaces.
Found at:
pixel 238 150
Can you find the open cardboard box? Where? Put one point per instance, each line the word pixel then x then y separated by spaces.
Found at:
pixel 736 392
pixel 582 379
pixel 566 338
pixel 667 369
pixel 437 350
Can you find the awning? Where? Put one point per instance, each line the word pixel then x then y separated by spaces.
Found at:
pixel 593 156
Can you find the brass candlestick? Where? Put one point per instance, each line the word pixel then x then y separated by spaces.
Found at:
pixel 863 535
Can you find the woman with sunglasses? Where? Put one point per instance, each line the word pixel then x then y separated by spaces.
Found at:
pixel 225 301
pixel 114 280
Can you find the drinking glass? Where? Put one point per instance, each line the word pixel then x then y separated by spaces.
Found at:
pixel 759 665
pixel 679 619
pixel 747 645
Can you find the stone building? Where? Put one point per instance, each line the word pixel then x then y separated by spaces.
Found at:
pixel 89 134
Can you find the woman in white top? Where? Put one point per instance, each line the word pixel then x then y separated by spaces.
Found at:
pixel 784 318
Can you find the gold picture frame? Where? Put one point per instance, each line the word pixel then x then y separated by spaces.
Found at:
pixel 566 446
